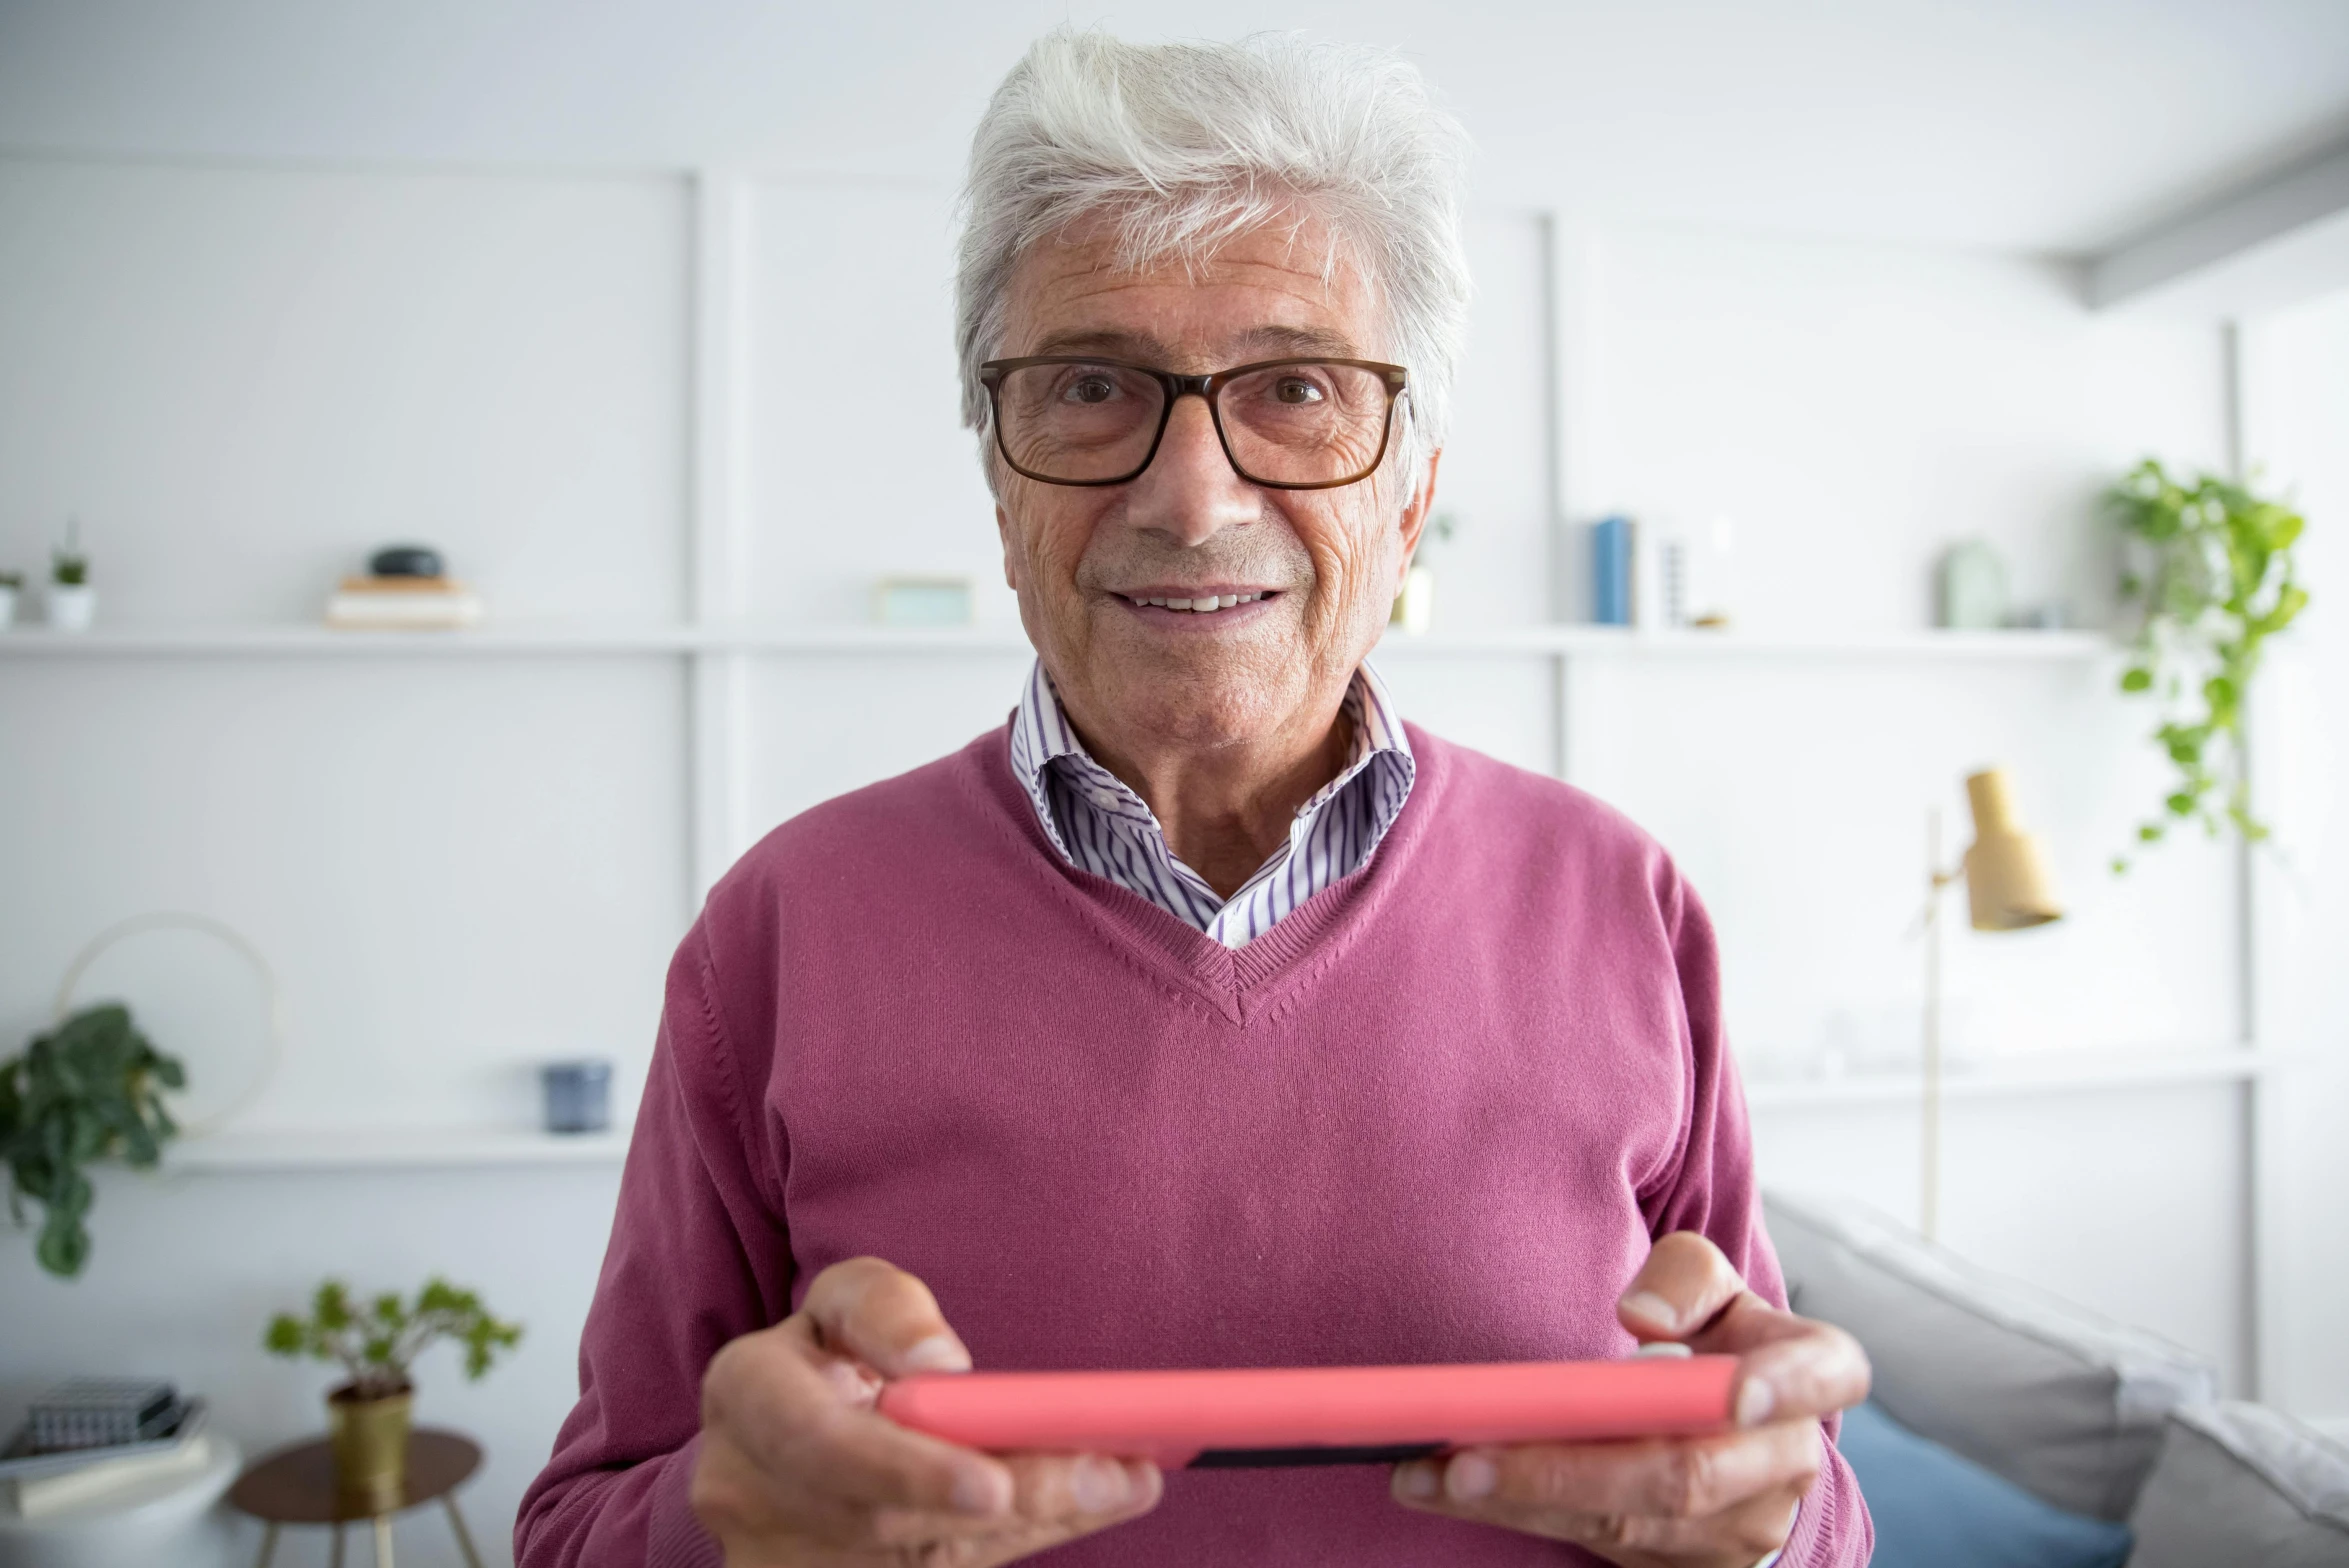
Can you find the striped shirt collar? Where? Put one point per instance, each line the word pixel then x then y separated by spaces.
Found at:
pixel 1101 826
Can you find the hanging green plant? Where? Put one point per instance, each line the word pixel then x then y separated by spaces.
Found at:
pixel 2215 576
pixel 90 1089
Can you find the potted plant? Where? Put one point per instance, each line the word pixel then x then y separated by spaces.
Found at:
pixel 11 584
pixel 2213 565
pixel 73 603
pixel 90 1089
pixel 376 1343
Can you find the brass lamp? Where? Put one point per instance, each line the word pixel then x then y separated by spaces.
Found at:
pixel 2007 889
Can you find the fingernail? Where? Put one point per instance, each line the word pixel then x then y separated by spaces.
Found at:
pixel 1755 1401
pixel 1469 1477
pixel 1417 1480
pixel 938 1353
pixel 1099 1485
pixel 981 1492
pixel 1647 1304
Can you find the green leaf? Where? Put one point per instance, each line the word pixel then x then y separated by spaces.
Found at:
pixel 2137 680
pixel 64 1245
pixel 332 1306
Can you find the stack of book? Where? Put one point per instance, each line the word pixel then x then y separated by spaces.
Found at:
pixel 395 603
pixel 92 1438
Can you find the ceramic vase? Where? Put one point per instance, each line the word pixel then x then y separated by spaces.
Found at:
pixel 370 1442
pixel 72 606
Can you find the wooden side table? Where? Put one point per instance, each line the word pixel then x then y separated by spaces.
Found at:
pixel 296 1486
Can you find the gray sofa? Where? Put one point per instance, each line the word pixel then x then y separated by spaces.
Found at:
pixel 2090 1415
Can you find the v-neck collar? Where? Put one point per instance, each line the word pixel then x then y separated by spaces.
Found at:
pixel 1244 985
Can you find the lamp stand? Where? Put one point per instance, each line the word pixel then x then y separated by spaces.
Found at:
pixel 1929 1177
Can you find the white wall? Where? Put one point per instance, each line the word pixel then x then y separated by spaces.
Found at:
pixel 243 377
pixel 2296 428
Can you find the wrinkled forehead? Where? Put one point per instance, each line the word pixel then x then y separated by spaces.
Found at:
pixel 1278 289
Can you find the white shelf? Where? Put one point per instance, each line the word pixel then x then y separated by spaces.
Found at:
pixel 402 1148
pixel 2055 1073
pixel 637 638
pixel 390 1148
pixel 306 639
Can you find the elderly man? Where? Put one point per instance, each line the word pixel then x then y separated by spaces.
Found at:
pixel 1207 1014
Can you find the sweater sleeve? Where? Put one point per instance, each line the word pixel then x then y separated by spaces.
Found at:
pixel 1710 1188
pixel 698 1256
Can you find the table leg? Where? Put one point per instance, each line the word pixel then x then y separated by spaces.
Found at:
pixel 268 1544
pixel 337 1558
pixel 383 1552
pixel 464 1536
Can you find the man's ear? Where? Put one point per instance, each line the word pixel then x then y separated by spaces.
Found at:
pixel 1415 510
pixel 1011 570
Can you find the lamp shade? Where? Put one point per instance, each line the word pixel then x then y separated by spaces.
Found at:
pixel 2006 878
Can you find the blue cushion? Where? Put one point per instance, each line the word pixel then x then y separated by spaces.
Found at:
pixel 1936 1509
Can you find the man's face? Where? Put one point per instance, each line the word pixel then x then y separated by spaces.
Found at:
pixel 1324 564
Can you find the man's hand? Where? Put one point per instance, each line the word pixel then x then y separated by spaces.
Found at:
pixel 1700 1502
pixel 797 1468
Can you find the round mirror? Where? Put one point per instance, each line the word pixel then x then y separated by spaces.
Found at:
pixel 199 991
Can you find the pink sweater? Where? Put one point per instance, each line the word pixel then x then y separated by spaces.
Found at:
pixel 1436 1114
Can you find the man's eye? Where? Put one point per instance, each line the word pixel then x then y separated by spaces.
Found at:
pixel 1090 389
pixel 1296 389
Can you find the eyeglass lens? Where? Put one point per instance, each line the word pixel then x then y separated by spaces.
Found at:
pixel 1289 424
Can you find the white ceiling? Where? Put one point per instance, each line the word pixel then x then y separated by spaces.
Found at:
pixel 2045 125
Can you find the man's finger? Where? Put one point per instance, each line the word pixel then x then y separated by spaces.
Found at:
pixel 884 1317
pixel 1681 1478
pixel 1805 1375
pixel 772 1398
pixel 1058 1497
pixel 1082 1486
pixel 1684 1283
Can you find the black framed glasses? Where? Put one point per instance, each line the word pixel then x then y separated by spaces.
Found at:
pixel 1290 424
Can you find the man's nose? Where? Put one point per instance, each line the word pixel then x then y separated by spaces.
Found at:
pixel 1189 492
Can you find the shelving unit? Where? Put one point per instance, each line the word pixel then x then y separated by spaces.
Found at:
pixel 2020 1078
pixel 238 1151
pixel 262 1151
pixel 626 638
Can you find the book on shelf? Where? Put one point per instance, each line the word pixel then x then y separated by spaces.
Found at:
pixel 39 1496
pixel 49 1481
pixel 394 603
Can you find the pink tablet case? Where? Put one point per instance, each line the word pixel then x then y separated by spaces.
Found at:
pixel 1315 1415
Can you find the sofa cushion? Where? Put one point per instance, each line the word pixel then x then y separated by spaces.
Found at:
pixel 2242 1484
pixel 2065 1404
pixel 1936 1509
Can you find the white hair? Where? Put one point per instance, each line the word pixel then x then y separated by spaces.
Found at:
pixel 1179 148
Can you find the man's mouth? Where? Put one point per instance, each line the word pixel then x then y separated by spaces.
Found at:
pixel 1199 604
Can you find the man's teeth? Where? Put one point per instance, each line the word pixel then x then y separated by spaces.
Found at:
pixel 1202 605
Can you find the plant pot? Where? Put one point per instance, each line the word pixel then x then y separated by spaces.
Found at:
pixel 370 1440
pixel 72 606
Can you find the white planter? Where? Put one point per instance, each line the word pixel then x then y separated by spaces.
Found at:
pixel 7 605
pixel 72 607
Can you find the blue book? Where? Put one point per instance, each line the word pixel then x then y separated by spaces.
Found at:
pixel 1611 571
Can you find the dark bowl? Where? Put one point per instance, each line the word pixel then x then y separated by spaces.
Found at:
pixel 405 560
